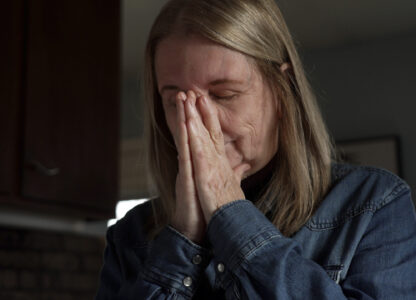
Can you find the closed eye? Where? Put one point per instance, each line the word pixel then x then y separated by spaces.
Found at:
pixel 222 97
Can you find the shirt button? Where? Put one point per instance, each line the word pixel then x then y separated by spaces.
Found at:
pixel 220 267
pixel 187 281
pixel 197 259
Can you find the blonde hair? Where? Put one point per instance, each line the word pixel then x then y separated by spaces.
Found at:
pixel 257 29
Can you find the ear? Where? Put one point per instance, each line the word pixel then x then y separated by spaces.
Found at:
pixel 285 67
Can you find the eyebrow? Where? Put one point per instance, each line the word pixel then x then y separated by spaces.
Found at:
pixel 224 81
pixel 212 83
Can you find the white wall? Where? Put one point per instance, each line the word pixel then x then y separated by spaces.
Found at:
pixel 368 90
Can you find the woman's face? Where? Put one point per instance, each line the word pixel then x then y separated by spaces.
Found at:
pixel 243 101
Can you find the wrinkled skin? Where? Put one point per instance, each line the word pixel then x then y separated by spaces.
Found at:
pixel 223 119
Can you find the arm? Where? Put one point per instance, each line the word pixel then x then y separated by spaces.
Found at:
pixel 170 270
pixel 263 264
pixel 384 265
pixel 259 263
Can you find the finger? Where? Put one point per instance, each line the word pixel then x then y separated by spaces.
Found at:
pixel 182 134
pixel 198 140
pixel 211 122
pixel 191 96
pixel 239 172
pixel 184 157
pixel 180 99
pixel 180 116
pixel 193 116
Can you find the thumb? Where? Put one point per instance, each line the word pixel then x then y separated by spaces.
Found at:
pixel 240 170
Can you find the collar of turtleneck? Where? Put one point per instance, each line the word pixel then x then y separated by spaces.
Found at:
pixel 254 184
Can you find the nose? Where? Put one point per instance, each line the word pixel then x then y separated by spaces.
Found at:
pixel 223 118
pixel 220 113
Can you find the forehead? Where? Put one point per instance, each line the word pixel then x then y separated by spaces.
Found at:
pixel 193 60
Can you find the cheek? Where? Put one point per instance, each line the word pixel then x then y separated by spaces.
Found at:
pixel 247 128
pixel 239 134
pixel 232 123
pixel 244 126
pixel 170 116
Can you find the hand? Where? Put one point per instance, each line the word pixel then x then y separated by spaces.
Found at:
pixel 188 218
pixel 215 181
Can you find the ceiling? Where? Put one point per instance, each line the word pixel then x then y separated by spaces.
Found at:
pixel 314 24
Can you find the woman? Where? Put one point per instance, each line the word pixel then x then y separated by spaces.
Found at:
pixel 250 206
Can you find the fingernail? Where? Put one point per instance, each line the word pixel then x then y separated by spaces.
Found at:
pixel 192 103
pixel 182 96
pixel 190 94
pixel 189 104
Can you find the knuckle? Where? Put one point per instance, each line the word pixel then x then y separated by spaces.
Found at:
pixel 216 135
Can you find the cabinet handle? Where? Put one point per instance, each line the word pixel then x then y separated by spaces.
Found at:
pixel 37 166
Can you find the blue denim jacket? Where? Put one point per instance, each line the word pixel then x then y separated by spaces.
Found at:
pixel 360 244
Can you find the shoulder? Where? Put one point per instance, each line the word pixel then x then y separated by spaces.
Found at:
pixel 355 190
pixel 134 226
pixel 377 186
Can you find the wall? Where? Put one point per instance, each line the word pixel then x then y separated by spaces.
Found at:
pixel 365 89
pixel 368 90
pixel 137 18
pixel 44 265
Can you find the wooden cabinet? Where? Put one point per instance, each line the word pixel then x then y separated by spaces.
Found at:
pixel 11 50
pixel 60 107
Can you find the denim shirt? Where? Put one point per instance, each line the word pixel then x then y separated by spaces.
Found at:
pixel 359 244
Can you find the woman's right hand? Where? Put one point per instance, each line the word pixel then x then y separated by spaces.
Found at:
pixel 188 218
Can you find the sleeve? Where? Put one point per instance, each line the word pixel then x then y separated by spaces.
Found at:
pixel 171 270
pixel 254 260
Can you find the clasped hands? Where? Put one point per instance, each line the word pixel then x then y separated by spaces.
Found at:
pixel 205 181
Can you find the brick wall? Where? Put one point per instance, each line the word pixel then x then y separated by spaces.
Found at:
pixel 48 265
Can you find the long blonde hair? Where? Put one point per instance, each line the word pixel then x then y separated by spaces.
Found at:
pixel 257 29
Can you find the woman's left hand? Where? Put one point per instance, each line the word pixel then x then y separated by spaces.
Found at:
pixel 215 180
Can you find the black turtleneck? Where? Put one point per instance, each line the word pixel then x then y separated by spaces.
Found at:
pixel 253 185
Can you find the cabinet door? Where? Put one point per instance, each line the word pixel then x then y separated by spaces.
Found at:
pixel 72 105
pixel 11 64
